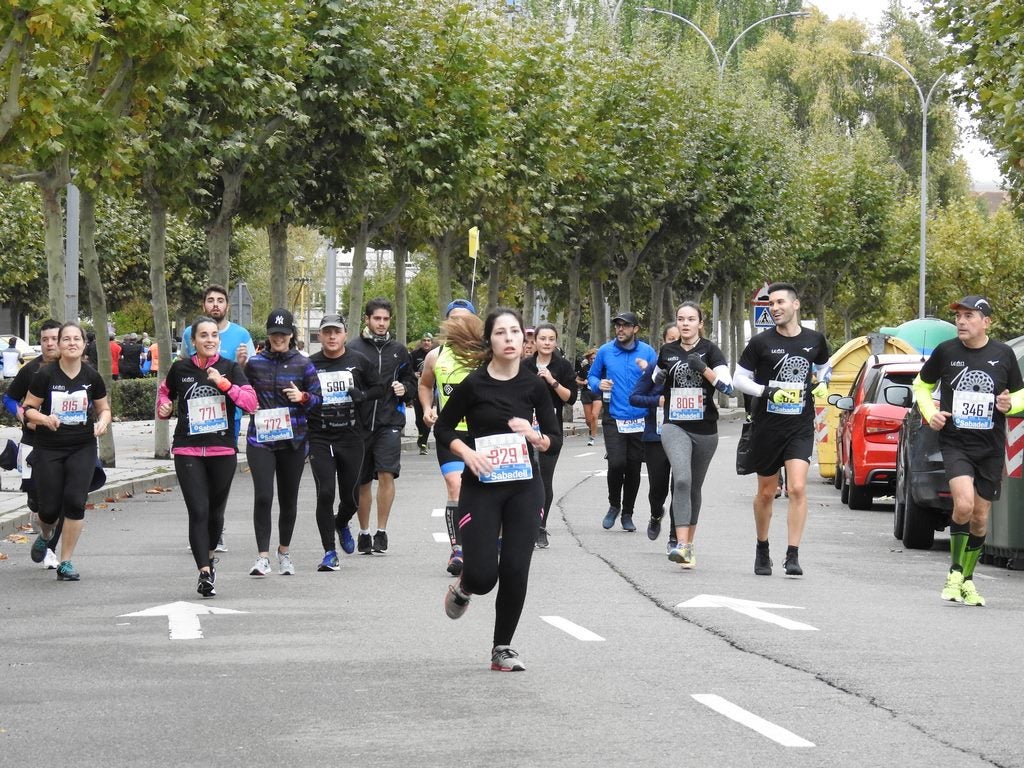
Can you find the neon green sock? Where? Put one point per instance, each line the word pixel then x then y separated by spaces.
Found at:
pixel 971 554
pixel 958 533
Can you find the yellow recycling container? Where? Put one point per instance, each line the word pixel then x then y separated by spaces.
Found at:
pixel 846 362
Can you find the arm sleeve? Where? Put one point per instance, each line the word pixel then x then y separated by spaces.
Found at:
pixel 312 388
pixel 1017 401
pixel 11 405
pixel 743 380
pixel 722 375
pixel 824 372
pixel 550 424
pixel 923 397
pixel 568 380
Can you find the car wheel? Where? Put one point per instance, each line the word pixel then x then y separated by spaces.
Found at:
pixel 859 495
pixel 900 506
pixel 918 531
pixel 837 477
pixel 844 487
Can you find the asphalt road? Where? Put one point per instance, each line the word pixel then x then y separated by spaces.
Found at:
pixel 858 663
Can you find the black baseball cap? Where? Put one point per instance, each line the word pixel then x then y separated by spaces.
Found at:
pixel 976 303
pixel 333 321
pixel 629 318
pixel 280 321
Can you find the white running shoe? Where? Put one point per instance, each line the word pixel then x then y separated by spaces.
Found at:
pixel 221 547
pixel 50 560
pixel 284 563
pixel 261 567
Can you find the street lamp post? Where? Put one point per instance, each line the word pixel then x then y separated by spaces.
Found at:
pixel 925 103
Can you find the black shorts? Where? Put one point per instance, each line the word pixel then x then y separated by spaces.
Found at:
pixel 771 447
pixel 586 396
pixel 447 460
pixel 986 470
pixel 383 453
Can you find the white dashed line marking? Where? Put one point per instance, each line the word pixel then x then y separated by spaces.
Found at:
pixel 774 732
pixel 580 633
pixel 437 512
pixel 441 538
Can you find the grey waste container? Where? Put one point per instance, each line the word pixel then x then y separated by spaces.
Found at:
pixel 1004 544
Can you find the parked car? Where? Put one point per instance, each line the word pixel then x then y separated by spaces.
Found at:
pixel 923 501
pixel 869 424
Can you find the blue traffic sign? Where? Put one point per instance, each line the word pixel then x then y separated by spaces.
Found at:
pixel 763 318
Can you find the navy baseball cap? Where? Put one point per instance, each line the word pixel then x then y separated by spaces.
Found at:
pixel 976 303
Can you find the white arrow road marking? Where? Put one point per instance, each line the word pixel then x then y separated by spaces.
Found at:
pixel 182 618
pixel 584 455
pixel 774 732
pixel 750 608
pixel 441 538
pixel 437 512
pixel 580 633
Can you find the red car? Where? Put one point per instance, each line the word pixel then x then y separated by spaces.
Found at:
pixel 869 427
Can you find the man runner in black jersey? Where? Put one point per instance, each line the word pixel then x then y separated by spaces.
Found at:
pixel 979 382
pixel 776 367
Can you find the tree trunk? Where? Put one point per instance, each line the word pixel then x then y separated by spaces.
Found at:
pixel 277 234
pixel 218 232
pixel 819 311
pixel 161 319
pixel 739 315
pixel 443 247
pixel 656 299
pixel 624 280
pixel 400 249
pixel 572 323
pixel 598 318
pixel 529 304
pixel 355 284
pixel 53 222
pixel 493 282
pixel 727 337
pixel 98 308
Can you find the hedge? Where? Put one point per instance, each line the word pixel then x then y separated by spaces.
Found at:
pixel 130 399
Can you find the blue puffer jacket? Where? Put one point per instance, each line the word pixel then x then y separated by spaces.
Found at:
pixel 647 394
pixel 618 364
pixel 269 373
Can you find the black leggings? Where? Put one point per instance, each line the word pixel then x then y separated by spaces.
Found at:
pixel 286 464
pixel 659 473
pixel 62 477
pixel 512 511
pixel 344 461
pixel 547 475
pixel 625 456
pixel 205 483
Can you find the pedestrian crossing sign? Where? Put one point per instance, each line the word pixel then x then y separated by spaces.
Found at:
pixel 763 318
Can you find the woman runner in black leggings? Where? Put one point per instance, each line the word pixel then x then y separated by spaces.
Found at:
pixel 208 388
pixel 502 493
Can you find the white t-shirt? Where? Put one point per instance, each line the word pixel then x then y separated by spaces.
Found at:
pixel 12 361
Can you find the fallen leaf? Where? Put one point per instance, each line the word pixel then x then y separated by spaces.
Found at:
pixel 100 506
pixel 2 557
pixel 90 506
pixel 123 495
pixel 158 489
pixel 27 528
pixel 17 538
pixel 110 499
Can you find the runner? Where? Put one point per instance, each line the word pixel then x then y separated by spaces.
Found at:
pixel 501 491
pixel 337 436
pixel 689 371
pixel 591 402
pixel 558 374
pixel 13 398
pixel 287 387
pixel 979 382
pixel 67 403
pixel 613 375
pixel 443 369
pixel 417 356
pixel 208 389
pixel 776 367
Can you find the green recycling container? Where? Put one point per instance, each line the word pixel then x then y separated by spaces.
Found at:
pixel 1004 544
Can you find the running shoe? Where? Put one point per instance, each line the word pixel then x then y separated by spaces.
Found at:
pixel 284 564
pixel 330 562
pixel 221 546
pixel 51 561
pixel 423 450
pixel 792 565
pixel 455 601
pixel 654 528
pixel 504 659
pixel 39 547
pixel 970 595
pixel 762 562
pixel 365 544
pixel 455 561
pixel 66 572
pixel 213 569
pixel 348 544
pixel 380 542
pixel 205 585
pixel 672 544
pixel 609 518
pixel 953 590
pixel 678 553
pixel 542 538
pixel 689 559
pixel 627 522
pixel 590 441
pixel 261 567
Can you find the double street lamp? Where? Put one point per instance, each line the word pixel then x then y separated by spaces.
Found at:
pixel 925 101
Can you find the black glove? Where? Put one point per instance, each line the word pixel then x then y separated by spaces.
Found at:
pixel 357 395
pixel 696 363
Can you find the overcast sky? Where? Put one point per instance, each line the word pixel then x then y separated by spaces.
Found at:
pixel 984 169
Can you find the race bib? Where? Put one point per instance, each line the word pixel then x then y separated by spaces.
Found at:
pixel 207 414
pixel 686 404
pixel 787 409
pixel 70 407
pixel 273 424
pixel 510 456
pixel 334 387
pixel 629 426
pixel 973 410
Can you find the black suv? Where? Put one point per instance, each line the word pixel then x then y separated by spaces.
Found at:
pixel 923 501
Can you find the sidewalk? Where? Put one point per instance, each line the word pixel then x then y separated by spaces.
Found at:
pixel 136 470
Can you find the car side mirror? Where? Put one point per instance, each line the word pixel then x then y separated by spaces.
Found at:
pixel 834 398
pixel 899 394
pixel 844 403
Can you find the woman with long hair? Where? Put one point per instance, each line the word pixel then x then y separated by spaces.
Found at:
pixel 67 403
pixel 591 402
pixel 208 389
pixel 502 493
pixel 556 372
pixel 690 371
